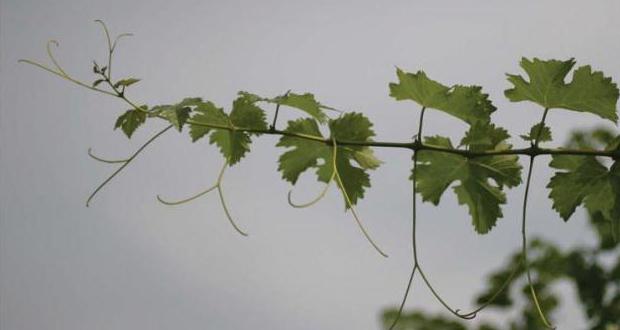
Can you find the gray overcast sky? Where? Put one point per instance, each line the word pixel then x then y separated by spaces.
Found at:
pixel 128 262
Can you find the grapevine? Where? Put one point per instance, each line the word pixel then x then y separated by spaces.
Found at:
pixel 479 169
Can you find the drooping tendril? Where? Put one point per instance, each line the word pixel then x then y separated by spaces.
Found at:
pixel 474 313
pixel 108 161
pixel 336 175
pixel 325 188
pixel 218 186
pixel 186 200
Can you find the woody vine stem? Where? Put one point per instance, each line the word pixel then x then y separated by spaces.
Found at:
pixel 486 156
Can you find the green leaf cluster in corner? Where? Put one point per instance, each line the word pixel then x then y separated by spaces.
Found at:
pixel 587 181
pixel 306 154
pixel 467 103
pixel 481 179
pixel 222 127
pixel 589 91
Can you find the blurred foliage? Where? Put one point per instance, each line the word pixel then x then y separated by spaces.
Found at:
pixel 593 271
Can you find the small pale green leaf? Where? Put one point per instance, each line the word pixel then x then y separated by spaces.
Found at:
pixel 130 121
pixel 126 82
pixel 588 91
pixel 536 133
pixel 366 158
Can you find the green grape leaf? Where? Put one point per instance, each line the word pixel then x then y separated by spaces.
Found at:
pixel 481 179
pixel 588 91
pixel 418 88
pixel 304 102
pixel 467 103
pixel 585 181
pixel 232 143
pixel 206 114
pixel 247 115
pixel 130 121
pixel 176 114
pixel 305 154
pixel 365 157
pixel 126 82
pixel 536 133
pixel 484 136
pixel 604 217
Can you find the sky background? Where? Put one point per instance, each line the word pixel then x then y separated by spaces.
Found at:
pixel 128 262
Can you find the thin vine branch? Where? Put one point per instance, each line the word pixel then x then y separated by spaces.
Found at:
pixel 417 141
pixel 523 227
pixel 418 146
pixel 275 116
pixel 415 146
pixel 125 163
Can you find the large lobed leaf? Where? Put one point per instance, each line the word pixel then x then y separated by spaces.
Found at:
pixel 467 103
pixel 233 144
pixel 307 154
pixel 588 91
pixel 587 181
pixel 480 180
